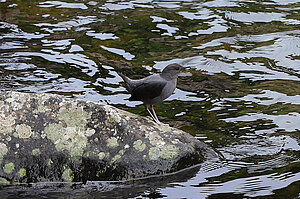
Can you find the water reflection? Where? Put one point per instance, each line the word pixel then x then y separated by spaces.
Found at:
pixel 77 48
pixel 60 4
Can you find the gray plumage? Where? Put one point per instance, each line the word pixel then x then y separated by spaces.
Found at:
pixel 154 88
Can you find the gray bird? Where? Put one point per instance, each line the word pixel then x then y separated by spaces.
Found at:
pixel 154 88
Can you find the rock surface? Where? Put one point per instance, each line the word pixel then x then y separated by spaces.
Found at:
pixel 46 137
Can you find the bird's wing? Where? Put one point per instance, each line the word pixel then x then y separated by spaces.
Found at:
pixel 147 90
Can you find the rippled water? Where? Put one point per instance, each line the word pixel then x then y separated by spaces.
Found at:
pixel 241 95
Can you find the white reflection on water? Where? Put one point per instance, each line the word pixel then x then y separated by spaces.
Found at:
pixel 267 97
pixel 160 19
pixel 202 14
pixel 170 30
pixel 252 186
pixel 61 4
pixel 66 25
pixel 58 44
pixel 16 33
pixel 122 5
pixel 202 186
pixel 222 3
pixel 284 46
pixel 101 36
pixel 123 53
pixel 118 6
pixel 75 48
pixel 262 145
pixel 12 45
pixel 289 122
pixel 38 76
pixel 253 17
pixel 282 2
pixel 215 22
pixel 62 85
pixel 77 60
pixel 17 66
pixel 252 71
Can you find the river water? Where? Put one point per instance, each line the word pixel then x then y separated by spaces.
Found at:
pixel 241 95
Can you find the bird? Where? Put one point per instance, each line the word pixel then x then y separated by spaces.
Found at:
pixel 153 89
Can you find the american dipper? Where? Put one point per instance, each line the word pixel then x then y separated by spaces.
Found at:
pixel 154 88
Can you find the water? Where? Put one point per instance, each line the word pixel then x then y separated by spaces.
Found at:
pixel 241 95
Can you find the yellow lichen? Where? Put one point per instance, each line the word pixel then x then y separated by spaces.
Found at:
pixel 169 152
pixel 72 139
pixel 154 153
pixel 165 152
pixel 9 167
pixel 74 116
pixel 21 173
pixel 112 142
pixel 3 181
pixel 68 175
pixel 155 139
pixel 139 145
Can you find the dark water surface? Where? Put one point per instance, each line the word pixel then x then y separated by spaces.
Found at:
pixel 241 95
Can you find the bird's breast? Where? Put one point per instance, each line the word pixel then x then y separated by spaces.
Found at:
pixel 168 89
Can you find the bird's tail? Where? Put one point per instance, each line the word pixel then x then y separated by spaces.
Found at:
pixel 126 80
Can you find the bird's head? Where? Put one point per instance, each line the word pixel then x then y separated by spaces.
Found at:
pixel 172 70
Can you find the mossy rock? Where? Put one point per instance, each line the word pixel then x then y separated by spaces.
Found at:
pixel 46 137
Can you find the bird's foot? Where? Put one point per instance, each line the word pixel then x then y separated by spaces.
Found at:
pixel 157 121
pixel 161 124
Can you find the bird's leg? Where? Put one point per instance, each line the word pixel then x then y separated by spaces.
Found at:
pixel 146 106
pixel 156 118
pixel 153 111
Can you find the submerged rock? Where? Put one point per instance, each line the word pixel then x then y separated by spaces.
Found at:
pixel 46 137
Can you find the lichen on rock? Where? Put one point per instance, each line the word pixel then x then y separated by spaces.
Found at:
pixel 9 167
pixel 23 131
pixel 72 139
pixel 139 145
pixel 169 151
pixel 101 155
pixel 21 173
pixel 112 142
pixel 3 181
pixel 74 116
pixel 36 152
pixel 7 123
pixel 68 175
pixel 3 151
pixel 50 137
pixel 118 156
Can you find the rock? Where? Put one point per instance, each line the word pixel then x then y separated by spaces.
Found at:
pixel 46 137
